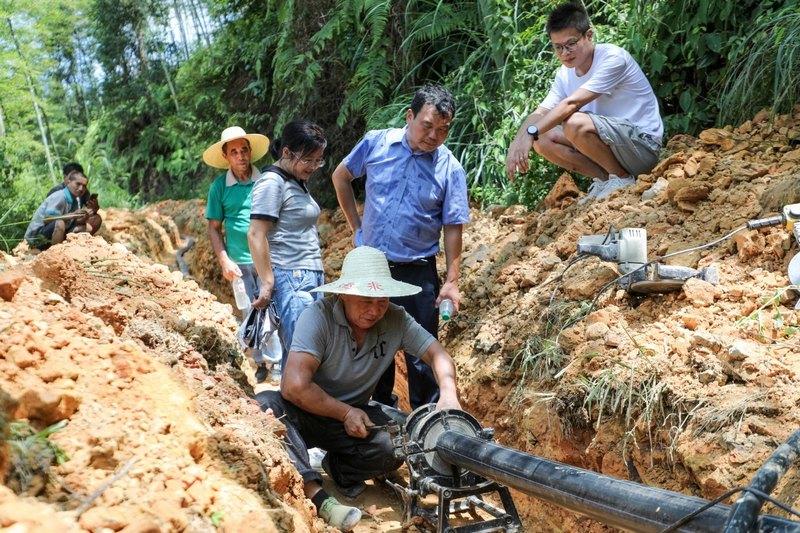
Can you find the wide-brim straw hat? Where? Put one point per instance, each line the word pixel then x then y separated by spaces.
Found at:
pixel 259 146
pixel 365 272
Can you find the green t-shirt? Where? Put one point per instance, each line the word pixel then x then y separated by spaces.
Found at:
pixel 229 202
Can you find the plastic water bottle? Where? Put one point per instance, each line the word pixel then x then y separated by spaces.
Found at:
pixel 240 294
pixel 446 309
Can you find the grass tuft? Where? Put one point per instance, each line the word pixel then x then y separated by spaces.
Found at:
pixel 31 454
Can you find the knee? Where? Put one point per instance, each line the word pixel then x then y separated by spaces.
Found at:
pixel 93 223
pixel 576 126
pixel 546 145
pixel 384 452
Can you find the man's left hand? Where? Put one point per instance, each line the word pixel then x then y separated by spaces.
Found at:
pixel 450 291
pixel 93 204
pixel 448 402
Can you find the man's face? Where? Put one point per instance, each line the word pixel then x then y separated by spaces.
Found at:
pixel 428 130
pixel 237 154
pixel 572 47
pixel 76 185
pixel 363 312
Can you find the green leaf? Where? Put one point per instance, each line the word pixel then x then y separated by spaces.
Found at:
pixel 687 101
pixel 714 41
pixel 657 61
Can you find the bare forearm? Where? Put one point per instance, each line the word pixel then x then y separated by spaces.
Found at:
pixel 259 250
pixel 342 182
pixel 311 398
pixel 445 373
pixel 452 251
pixel 217 242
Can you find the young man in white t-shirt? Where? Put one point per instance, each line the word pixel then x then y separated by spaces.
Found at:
pixel 600 118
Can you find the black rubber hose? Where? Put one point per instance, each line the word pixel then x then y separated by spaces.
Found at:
pixel 745 511
pixel 618 503
pixel 179 256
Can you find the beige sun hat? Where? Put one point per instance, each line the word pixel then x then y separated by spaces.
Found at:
pixel 365 272
pixel 259 146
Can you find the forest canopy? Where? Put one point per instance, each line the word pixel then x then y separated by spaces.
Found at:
pixel 135 90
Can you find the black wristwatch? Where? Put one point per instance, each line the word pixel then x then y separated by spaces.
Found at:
pixel 534 132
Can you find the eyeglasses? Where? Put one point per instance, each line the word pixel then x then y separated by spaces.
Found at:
pixel 568 47
pixel 316 163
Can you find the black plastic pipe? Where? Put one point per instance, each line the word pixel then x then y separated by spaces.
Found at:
pixel 745 510
pixel 615 502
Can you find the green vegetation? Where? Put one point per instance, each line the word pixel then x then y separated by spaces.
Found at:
pixel 542 359
pixel 31 454
pixel 136 90
pixel 771 326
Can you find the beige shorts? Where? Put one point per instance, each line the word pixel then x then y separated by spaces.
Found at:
pixel 635 150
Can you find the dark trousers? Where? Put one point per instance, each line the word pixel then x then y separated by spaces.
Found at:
pixel 350 459
pixel 422 387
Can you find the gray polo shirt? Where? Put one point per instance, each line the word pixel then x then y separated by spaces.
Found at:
pixel 350 376
pixel 293 239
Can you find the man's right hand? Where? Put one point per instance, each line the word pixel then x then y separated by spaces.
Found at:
pixel 264 297
pixel 518 154
pixel 229 269
pixel 356 422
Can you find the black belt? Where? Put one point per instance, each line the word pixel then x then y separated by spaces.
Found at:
pixel 417 262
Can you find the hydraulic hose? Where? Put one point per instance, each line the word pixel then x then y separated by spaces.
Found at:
pixel 615 502
pixel 745 511
pixel 179 257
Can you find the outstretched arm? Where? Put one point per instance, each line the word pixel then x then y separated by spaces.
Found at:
pixel 545 120
pixel 445 373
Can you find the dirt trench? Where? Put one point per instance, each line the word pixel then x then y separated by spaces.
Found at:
pixel 689 390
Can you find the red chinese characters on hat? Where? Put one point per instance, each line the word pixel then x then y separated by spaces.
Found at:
pixel 374 286
pixel 348 285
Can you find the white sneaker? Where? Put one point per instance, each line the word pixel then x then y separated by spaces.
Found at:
pixel 315 457
pixel 275 373
pixel 594 190
pixel 614 183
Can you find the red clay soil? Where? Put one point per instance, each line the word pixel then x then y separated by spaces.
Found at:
pixel 689 390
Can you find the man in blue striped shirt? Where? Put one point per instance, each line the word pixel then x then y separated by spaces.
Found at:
pixel 415 190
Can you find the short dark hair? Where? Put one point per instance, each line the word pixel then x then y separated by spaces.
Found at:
pixel 436 95
pixel 299 136
pixel 76 174
pixel 69 168
pixel 567 15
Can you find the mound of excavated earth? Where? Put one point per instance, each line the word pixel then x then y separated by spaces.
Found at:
pixel 690 390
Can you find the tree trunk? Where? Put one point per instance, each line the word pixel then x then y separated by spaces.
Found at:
pixel 179 16
pixel 200 25
pixel 36 108
pixel 2 122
